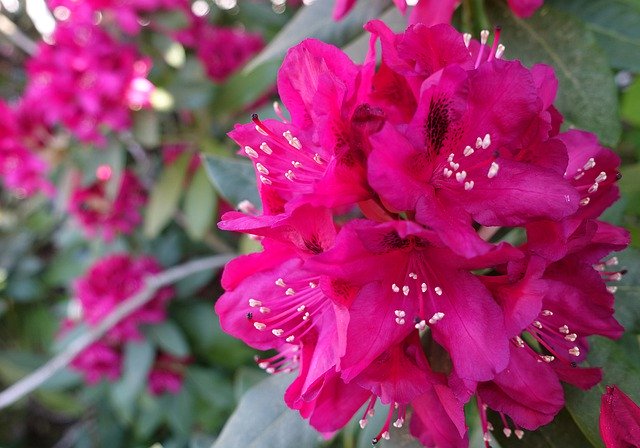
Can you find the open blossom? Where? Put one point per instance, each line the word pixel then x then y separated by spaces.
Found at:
pixel 166 374
pixel 379 194
pixel 88 81
pixel 109 282
pixel 431 12
pixel 104 213
pixel 619 419
pixel 21 170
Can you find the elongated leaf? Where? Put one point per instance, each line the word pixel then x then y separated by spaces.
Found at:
pixel 165 196
pixel 587 95
pixel 169 338
pixel 138 359
pixel 615 25
pixel 245 88
pixel 200 205
pixel 233 178
pixel 316 21
pixel 262 420
pixel 561 433
pixel 628 294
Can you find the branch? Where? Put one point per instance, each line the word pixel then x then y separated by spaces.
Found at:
pixel 151 284
pixel 19 39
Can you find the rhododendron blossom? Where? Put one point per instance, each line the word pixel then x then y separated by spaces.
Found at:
pixel 21 170
pixel 107 283
pixel 619 419
pixel 102 213
pixel 88 81
pixel 382 194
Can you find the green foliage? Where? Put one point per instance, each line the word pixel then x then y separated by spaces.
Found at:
pixel 233 178
pixel 587 95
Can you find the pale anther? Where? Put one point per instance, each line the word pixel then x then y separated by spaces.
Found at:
pixel 277 332
pixel 493 170
pixel 254 303
pixel 438 290
pixel 468 185
pixel 468 150
pixel 289 292
pixel 248 150
pixel 265 148
pixel 261 168
pixel 405 290
pixel 461 176
pixel 589 164
pixel 259 326
pixel 281 283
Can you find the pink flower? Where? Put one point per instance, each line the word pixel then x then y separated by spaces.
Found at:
pixel 88 81
pixel 21 170
pixel 441 144
pixel 318 157
pixel 222 51
pixel 99 214
pixel 619 419
pixel 166 375
pixel 99 360
pixel 112 280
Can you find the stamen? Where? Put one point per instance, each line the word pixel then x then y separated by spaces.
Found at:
pixel 493 170
pixel 436 318
pixel 253 303
pixel 281 283
pixel 405 290
pixel 468 185
pixel 589 164
pixel 265 148
pixel 317 159
pixel 261 168
pixel 575 351
pixel 438 290
pixel 265 180
pixel 248 150
pixel 460 177
pixel 467 39
pixel 259 326
pixel 468 150
pixel 395 288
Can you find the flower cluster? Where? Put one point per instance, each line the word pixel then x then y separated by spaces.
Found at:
pixel 385 197
pixel 107 215
pixel 87 80
pixel 22 171
pixel 105 286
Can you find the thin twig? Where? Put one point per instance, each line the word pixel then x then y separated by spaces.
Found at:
pixel 15 35
pixel 152 283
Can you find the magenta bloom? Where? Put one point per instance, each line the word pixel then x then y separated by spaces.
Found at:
pixel 166 375
pixel 381 277
pixel 619 419
pixel 110 281
pixel 223 51
pixel 106 217
pixel 99 361
pixel 21 170
pixel 88 81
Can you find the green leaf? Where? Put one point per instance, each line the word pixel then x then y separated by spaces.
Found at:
pixel 138 359
pixel 561 433
pixel 165 196
pixel 245 88
pixel 168 337
pixel 630 109
pixel 615 25
pixel 211 386
pixel 316 21
pixel 587 95
pixel 234 179
pixel 200 205
pixel 179 411
pixel 628 294
pixel 146 128
pixel 617 369
pixel 272 424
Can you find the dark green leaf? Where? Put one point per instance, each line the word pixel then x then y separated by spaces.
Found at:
pixel 200 205
pixel 179 411
pixel 165 196
pixel 630 109
pixel 561 433
pixel 262 420
pixel 615 25
pixel 234 179
pixel 245 88
pixel 617 369
pixel 138 359
pixel 587 95
pixel 210 386
pixel 628 294
pixel 169 338
pixel 316 21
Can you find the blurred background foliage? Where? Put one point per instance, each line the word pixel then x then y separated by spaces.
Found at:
pixel 594 45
